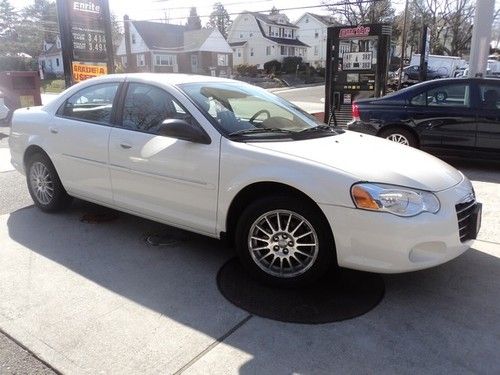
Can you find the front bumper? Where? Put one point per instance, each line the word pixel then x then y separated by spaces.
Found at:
pixel 386 243
pixel 361 127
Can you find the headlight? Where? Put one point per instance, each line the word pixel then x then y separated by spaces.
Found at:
pixel 397 200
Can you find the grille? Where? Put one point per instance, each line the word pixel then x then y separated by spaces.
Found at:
pixel 466 227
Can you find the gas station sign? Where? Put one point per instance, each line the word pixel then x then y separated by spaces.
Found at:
pixel 85 27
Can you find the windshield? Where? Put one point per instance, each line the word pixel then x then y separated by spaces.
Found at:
pixel 242 110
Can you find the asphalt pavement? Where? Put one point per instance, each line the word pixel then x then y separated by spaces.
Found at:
pixel 97 298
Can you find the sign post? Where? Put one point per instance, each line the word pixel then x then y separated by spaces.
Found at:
pixel 87 49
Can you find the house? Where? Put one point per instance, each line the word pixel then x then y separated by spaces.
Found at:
pixel 313 31
pixel 257 38
pixel 50 60
pixel 166 48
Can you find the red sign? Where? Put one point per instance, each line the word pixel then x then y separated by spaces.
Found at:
pixel 354 31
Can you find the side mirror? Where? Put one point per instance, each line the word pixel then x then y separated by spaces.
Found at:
pixel 181 129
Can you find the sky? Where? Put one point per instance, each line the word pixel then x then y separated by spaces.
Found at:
pixel 177 10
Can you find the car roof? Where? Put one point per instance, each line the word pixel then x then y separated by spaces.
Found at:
pixel 165 78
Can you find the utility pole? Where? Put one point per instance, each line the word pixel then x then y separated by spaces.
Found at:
pixel 130 68
pixel 481 38
pixel 403 47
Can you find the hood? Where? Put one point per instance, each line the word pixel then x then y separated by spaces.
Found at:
pixel 373 159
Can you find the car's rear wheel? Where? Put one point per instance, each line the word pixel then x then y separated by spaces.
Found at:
pixel 283 241
pixel 401 136
pixel 44 184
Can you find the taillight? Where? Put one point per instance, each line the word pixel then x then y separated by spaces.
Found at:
pixel 355 111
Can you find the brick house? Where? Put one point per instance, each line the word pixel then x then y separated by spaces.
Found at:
pixel 166 48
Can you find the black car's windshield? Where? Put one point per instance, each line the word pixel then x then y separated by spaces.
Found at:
pixel 246 111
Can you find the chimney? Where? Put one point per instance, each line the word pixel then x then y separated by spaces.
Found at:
pixel 131 63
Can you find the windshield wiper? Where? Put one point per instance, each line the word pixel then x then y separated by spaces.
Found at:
pixel 318 128
pixel 260 130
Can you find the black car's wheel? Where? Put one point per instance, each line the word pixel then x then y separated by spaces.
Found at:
pixel 284 241
pixel 44 184
pixel 401 136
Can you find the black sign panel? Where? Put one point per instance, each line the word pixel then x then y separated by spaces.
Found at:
pixel 85 27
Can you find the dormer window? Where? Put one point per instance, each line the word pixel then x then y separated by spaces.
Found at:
pixel 133 38
pixel 307 19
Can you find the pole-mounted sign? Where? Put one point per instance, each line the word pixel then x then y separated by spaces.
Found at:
pixel 86 44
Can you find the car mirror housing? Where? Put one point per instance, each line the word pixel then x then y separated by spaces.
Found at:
pixel 181 129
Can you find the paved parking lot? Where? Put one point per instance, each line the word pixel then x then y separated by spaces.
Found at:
pixel 96 298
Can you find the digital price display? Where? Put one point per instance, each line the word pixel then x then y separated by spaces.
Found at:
pixel 88 30
pixel 357 60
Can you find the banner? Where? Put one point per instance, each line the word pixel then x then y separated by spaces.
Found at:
pixel 83 71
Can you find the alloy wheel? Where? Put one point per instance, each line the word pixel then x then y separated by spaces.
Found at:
pixel 398 138
pixel 283 243
pixel 41 183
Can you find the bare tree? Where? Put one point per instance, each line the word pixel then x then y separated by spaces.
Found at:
pixel 356 12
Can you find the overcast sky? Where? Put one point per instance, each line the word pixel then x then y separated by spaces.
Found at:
pixel 178 10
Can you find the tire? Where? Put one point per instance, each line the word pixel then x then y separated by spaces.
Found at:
pixel 300 264
pixel 400 135
pixel 44 184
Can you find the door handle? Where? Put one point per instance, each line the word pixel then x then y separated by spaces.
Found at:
pixel 53 130
pixel 125 145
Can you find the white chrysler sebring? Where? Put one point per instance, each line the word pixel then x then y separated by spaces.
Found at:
pixel 227 159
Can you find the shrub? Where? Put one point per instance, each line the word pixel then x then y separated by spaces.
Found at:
pixel 8 63
pixel 246 70
pixel 272 66
pixel 290 64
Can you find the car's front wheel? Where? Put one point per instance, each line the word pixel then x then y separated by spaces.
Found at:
pixel 44 184
pixel 284 241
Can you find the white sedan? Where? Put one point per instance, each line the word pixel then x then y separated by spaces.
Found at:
pixel 227 159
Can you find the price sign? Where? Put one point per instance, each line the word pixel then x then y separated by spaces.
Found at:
pixel 357 60
pixel 85 36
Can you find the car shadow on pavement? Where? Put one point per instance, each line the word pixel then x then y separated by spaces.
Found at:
pixel 436 320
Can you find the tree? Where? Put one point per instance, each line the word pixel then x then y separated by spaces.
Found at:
pixel 193 21
pixel 219 18
pixel 356 12
pixel 39 23
pixel 8 32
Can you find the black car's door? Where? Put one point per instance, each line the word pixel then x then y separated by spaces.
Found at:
pixel 444 118
pixel 488 120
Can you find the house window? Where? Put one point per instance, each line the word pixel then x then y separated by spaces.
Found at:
pixel 165 60
pixel 251 34
pixel 222 59
pixel 283 50
pixel 251 51
pixel 269 33
pixel 291 51
pixel 239 52
pixel 268 50
pixel 292 33
pixel 124 60
pixel 241 35
pixel 307 19
pixel 57 61
pixel 316 34
pixel 58 43
pixel 141 61
pixel 316 50
pixel 133 38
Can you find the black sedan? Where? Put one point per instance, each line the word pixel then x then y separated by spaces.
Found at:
pixel 449 117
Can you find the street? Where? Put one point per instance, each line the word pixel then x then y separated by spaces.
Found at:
pixel 95 297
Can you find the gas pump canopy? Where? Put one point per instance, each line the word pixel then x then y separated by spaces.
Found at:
pixel 357 61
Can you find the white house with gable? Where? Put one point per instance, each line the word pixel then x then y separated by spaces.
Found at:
pixel 312 30
pixel 257 38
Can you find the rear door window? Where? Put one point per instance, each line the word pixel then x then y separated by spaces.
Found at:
pixel 451 95
pixel 92 104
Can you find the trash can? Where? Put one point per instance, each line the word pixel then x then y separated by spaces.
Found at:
pixel 19 89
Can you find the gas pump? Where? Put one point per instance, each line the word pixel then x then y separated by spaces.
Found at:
pixel 356 67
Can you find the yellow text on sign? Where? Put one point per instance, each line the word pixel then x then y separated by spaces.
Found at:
pixel 82 72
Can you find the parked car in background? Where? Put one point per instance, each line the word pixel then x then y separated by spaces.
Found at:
pixel 227 159
pixel 4 110
pixel 450 117
pixel 412 73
